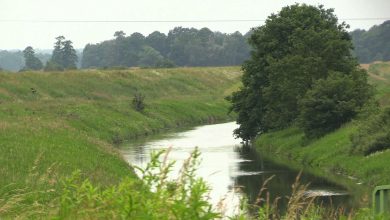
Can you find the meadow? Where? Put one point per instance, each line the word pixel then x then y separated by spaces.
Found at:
pixel 54 123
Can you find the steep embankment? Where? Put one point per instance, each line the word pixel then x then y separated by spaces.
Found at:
pixel 62 121
pixel 333 152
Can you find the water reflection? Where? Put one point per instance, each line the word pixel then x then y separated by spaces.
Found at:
pixel 280 186
pixel 226 166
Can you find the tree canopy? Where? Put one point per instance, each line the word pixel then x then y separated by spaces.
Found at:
pixel 182 47
pixel 290 53
pixel 64 56
pixel 372 45
pixel 31 61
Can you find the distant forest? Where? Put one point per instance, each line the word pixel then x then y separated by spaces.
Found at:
pixel 181 47
pixel 191 47
pixel 372 45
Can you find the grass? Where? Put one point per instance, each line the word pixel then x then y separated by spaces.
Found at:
pixel 152 196
pixel 332 153
pixel 72 120
pixel 380 77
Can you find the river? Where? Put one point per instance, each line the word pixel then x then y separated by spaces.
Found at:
pixel 233 171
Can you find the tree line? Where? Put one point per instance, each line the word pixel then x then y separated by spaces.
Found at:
pixel 372 45
pixel 181 47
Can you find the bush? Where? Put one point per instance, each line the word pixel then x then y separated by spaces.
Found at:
pixel 52 66
pixel 138 102
pixel 373 134
pixel 165 63
pixel 332 101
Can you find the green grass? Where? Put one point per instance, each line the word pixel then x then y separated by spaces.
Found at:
pixel 332 153
pixel 380 78
pixel 74 118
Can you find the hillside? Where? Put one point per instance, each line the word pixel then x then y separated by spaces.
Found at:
pixel 57 122
pixel 333 153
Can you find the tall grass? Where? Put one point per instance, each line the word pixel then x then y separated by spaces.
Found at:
pixel 74 119
pixel 153 196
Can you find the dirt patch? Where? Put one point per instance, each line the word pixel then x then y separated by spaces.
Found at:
pixel 365 66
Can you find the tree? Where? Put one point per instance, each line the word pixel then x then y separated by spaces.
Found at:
pixel 119 34
pixel 31 61
pixel 149 57
pixel 69 56
pixel 64 55
pixel 157 40
pixel 295 48
pixel 57 54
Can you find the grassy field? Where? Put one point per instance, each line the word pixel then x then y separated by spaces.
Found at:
pixel 52 123
pixel 331 154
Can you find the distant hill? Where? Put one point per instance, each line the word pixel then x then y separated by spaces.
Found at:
pixel 372 45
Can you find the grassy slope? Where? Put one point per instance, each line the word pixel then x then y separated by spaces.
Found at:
pixel 330 153
pixel 73 118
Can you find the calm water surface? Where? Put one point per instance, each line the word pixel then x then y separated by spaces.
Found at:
pixel 231 170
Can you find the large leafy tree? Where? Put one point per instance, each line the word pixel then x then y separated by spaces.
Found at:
pixel 31 61
pixel 295 48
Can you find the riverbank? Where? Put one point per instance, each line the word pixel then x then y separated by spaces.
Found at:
pixel 331 155
pixel 53 123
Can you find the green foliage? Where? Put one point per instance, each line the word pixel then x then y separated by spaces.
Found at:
pixel 332 102
pixel 52 66
pixel 153 196
pixel 138 102
pixel 295 48
pixel 149 57
pixel 372 45
pixel 63 57
pixel 31 61
pixel 182 47
pixel 373 134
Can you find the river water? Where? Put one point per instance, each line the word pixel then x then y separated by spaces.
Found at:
pixel 233 171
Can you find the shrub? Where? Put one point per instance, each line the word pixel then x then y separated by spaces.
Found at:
pixel 52 66
pixel 332 101
pixel 138 102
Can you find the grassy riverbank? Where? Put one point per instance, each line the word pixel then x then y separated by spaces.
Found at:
pixel 332 153
pixel 54 123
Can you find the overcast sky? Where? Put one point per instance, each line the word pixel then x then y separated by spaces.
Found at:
pixel 33 22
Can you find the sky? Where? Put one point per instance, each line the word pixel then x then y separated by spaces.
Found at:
pixel 36 23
